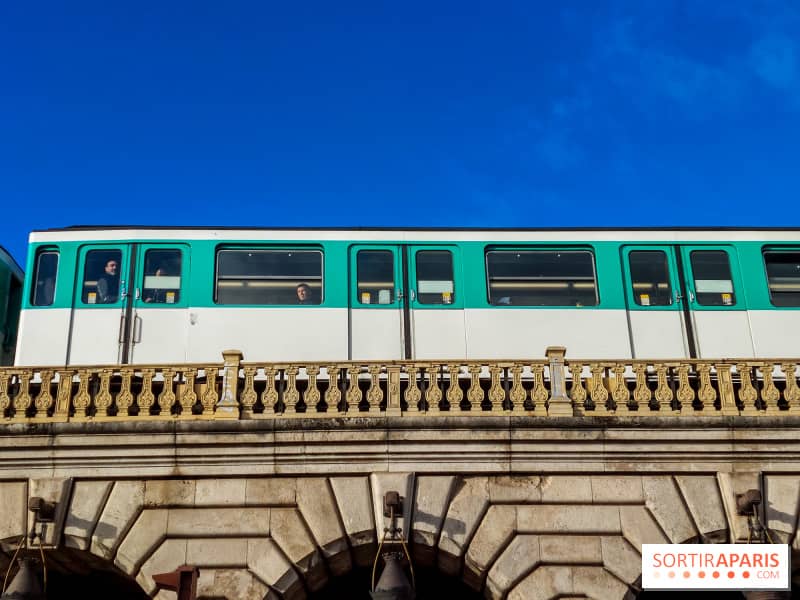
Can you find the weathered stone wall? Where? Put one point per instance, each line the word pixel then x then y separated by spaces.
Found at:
pixel 516 511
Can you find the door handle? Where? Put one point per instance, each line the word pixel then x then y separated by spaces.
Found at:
pixel 137 329
pixel 412 295
pixel 121 337
pixel 691 296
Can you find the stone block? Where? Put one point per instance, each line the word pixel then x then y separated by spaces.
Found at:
pixel 317 504
pixel 268 563
pixel 431 501
pixel 667 507
pixel 52 489
pixel 220 492
pixel 355 507
pixel 402 483
pixel 595 582
pixel 620 558
pixel 520 557
pixel 524 489
pixel 272 491
pixel 170 555
pixel 781 505
pixel 570 549
pixel 639 527
pixel 730 485
pixel 702 496
pixel 13 517
pixel 563 489
pixel 544 583
pixel 569 518
pixel 229 584
pixel 121 509
pixel 289 531
pixel 216 552
pixel 88 499
pixel 147 533
pixel 210 522
pixel 469 504
pixel 165 493
pixel 495 531
pixel 617 489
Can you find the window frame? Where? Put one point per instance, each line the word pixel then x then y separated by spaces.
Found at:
pixel 777 250
pixel 40 252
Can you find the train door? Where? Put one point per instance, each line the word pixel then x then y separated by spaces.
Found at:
pixel 405 302
pixel 685 301
pixel 110 322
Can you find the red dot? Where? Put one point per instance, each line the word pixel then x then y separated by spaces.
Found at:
pixel 731 574
pixel 672 574
pixel 715 574
pixel 701 574
pixel 746 574
pixel 656 574
pixel 686 574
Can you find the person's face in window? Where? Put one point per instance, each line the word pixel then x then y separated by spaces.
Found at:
pixel 111 267
pixel 302 293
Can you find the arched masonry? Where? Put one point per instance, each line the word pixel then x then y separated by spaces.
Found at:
pixel 520 536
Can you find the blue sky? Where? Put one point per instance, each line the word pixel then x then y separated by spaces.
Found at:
pixel 639 113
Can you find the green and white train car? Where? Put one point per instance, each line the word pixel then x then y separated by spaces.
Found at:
pixel 10 302
pixel 185 294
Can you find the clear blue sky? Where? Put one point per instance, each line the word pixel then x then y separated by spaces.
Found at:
pixel 398 113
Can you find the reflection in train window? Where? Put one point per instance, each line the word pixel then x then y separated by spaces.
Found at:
pixel 650 277
pixel 44 278
pixel 162 276
pixel 434 271
pixel 783 276
pixel 375 276
pixel 713 285
pixel 267 276
pixel 541 278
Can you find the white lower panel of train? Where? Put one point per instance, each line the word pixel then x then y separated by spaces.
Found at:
pixel 161 335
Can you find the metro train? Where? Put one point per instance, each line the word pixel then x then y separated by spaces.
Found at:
pixel 10 301
pixel 119 295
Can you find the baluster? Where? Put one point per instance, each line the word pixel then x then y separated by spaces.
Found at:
pixel 125 396
pixel 353 394
pixel 641 393
pixel 577 392
pixel 727 398
pixel 103 400
pixel 393 392
pixel 412 395
pixel 663 391
pixel 146 397
pixel 188 397
pixel 63 395
pixel 167 396
pixel 747 392
pixel 44 399
pixel 539 394
pixel 706 393
pixel 312 394
pixel 5 399
pixel 374 393
pixel 497 394
pixel 249 396
pixel 620 394
pixel 269 397
pixel 792 392
pixel 454 393
pixel 333 395
pixel 291 396
pixel 474 393
pixel 23 399
pixel 685 391
pixel 517 393
pixel 210 396
pixel 82 398
pixel 598 392
pixel 433 393
pixel 769 393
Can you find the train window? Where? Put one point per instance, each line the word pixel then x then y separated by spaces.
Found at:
pixel 434 270
pixel 375 276
pixel 101 273
pixel 162 276
pixel 44 278
pixel 268 276
pixel 650 277
pixel 541 277
pixel 783 277
pixel 713 285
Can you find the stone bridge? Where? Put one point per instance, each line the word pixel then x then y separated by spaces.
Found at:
pixel 530 479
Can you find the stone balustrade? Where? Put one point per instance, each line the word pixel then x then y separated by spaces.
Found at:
pixel 552 387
